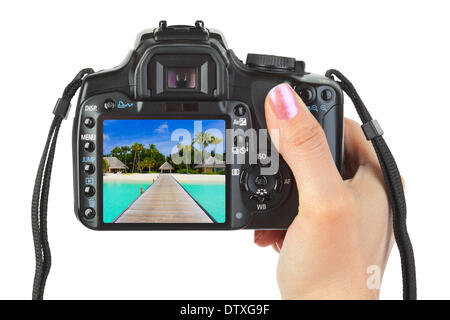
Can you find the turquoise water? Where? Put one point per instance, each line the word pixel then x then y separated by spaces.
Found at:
pixel 117 196
pixel 211 197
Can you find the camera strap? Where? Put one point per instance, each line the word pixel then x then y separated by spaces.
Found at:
pixel 393 182
pixel 371 129
pixel 42 186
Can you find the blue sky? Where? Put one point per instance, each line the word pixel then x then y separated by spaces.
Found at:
pixel 118 133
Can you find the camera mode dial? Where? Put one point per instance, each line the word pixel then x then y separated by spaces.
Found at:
pixel 264 61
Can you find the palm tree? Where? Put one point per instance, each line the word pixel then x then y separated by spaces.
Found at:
pixel 203 139
pixel 146 163
pixel 152 164
pixel 215 140
pixel 136 148
pixel 153 154
pixel 185 149
pixel 124 150
pixel 116 152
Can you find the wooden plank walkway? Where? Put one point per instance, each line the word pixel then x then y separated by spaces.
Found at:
pixel 165 201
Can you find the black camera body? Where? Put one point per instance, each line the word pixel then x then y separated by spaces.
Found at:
pixel 187 73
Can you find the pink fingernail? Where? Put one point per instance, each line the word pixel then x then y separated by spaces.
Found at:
pixel 283 101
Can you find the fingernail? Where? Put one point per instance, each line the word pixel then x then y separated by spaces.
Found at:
pixel 258 235
pixel 283 101
pixel 278 246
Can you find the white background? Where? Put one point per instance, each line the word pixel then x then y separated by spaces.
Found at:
pixel 397 54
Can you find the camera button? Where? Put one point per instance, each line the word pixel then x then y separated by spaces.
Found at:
pixel 239 110
pixel 278 182
pixel 89 213
pixel 239 141
pixel 261 181
pixel 89 122
pixel 307 95
pixel 89 191
pixel 243 181
pixel 239 215
pixel 326 95
pixel 260 197
pixel 89 146
pixel 89 168
pixel 109 105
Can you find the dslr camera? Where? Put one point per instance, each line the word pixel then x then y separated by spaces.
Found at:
pixel 175 137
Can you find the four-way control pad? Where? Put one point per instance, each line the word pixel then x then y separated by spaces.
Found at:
pixel 261 193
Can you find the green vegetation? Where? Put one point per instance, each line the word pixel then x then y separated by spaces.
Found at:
pixel 140 159
pixel 105 166
pixel 185 171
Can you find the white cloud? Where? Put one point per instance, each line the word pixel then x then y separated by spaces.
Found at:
pixel 162 128
pixel 105 137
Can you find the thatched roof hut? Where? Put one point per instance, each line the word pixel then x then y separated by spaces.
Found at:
pixel 115 164
pixel 166 167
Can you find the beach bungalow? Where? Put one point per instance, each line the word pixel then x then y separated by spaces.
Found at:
pixel 115 165
pixel 166 168
pixel 211 165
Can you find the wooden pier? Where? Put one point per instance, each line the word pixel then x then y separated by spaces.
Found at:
pixel 165 201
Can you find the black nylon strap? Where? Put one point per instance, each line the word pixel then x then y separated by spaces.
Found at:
pixel 42 186
pixel 393 182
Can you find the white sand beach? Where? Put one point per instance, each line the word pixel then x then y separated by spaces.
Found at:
pixel 182 178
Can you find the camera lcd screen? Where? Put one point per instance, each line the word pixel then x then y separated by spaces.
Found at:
pixel 164 171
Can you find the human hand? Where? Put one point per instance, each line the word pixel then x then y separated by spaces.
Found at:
pixel 344 224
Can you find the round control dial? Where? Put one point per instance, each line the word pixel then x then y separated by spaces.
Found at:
pixel 262 192
pixel 270 62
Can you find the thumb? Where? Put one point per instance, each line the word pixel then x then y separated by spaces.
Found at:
pixel 303 144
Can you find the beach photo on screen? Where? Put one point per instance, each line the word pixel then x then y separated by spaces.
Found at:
pixel 164 171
